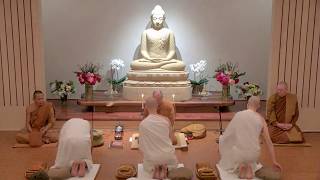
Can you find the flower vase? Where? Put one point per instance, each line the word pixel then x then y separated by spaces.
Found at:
pixel 197 89
pixel 63 99
pixel 117 88
pixel 88 92
pixel 225 92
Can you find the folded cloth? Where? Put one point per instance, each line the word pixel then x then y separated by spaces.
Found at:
pixel 267 173
pixel 180 173
pixel 198 131
pixel 126 171
pixel 205 172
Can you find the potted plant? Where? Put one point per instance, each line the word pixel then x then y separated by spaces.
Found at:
pixel 89 76
pixel 227 74
pixel 62 89
pixel 246 90
pixel 199 79
pixel 116 80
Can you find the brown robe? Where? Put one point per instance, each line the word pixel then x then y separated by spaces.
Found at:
pixel 166 108
pixel 283 110
pixel 40 118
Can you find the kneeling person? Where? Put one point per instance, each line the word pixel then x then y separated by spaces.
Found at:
pixel 155 142
pixel 239 146
pixel 74 150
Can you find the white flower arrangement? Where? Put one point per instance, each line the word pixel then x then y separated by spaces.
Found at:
pixel 247 90
pixel 62 88
pixel 198 70
pixel 199 67
pixel 116 66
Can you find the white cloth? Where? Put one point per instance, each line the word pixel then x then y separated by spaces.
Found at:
pixel 155 143
pixel 74 143
pixel 240 142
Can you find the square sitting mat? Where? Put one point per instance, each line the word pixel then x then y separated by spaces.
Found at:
pixel 225 175
pixel 181 141
pixel 91 175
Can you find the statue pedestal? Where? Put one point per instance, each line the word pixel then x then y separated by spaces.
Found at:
pixel 169 82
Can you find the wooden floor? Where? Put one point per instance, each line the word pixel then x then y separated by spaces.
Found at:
pixel 299 163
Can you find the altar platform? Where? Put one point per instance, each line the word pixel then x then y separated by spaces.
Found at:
pixel 106 111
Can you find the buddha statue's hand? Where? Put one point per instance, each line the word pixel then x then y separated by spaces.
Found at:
pixel 156 60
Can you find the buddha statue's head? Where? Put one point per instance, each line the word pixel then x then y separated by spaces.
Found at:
pixel 157 17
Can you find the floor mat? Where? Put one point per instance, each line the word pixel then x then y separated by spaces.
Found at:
pixel 89 175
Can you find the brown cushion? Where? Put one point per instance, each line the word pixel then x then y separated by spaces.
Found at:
pixel 198 130
pixel 181 173
pixel 126 171
pixel 204 171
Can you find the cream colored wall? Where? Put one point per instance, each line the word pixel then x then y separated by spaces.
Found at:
pixel 295 55
pixel 78 31
pixel 21 60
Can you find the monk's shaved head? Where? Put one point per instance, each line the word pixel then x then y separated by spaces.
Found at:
pixel 151 104
pixel 254 102
pixel 282 89
pixel 157 94
pixel 38 97
pixel 283 84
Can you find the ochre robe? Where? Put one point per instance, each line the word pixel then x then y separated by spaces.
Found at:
pixel 166 108
pixel 40 118
pixel 283 110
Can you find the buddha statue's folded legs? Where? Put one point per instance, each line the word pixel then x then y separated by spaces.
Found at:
pixel 170 65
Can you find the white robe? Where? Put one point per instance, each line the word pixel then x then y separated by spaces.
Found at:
pixel 74 143
pixel 155 143
pixel 240 142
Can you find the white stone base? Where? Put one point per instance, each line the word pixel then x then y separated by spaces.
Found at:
pixel 134 93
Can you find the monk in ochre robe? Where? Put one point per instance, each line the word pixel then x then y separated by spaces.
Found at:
pixel 165 107
pixel 39 118
pixel 282 116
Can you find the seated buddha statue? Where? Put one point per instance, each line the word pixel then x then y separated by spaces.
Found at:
pixel 158 46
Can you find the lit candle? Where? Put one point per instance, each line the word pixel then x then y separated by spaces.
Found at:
pixel 142 95
pixel 173 95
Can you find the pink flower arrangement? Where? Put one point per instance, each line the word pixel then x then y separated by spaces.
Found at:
pixel 88 74
pixel 228 74
pixel 88 78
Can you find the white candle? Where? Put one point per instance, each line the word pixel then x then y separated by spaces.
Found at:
pixel 142 95
pixel 173 95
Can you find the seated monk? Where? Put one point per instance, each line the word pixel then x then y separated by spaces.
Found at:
pixel 158 48
pixel 165 108
pixel 282 116
pixel 239 146
pixel 74 150
pixel 155 142
pixel 39 117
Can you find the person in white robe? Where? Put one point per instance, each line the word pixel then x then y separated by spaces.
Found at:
pixel 74 150
pixel 239 146
pixel 155 142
